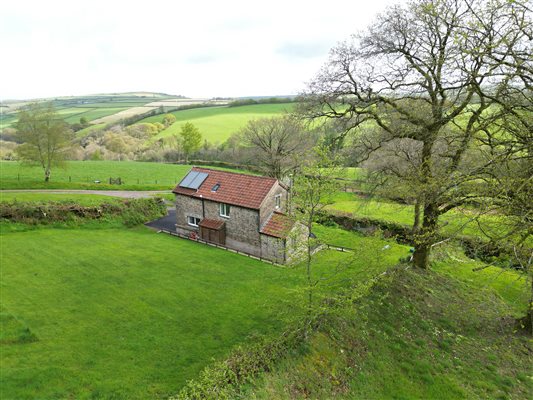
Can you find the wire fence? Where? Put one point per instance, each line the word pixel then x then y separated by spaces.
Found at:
pixel 92 179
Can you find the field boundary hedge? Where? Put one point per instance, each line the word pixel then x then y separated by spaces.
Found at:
pixel 473 247
pixel 130 211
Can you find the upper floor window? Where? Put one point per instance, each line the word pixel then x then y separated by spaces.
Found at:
pixel 277 198
pixel 224 210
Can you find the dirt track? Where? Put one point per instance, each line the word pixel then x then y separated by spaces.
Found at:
pixel 130 194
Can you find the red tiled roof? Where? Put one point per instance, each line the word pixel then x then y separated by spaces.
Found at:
pixel 278 225
pixel 237 189
pixel 212 223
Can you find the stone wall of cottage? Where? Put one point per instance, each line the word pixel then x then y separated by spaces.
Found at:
pixel 269 204
pixel 242 226
pixel 273 249
pixel 187 206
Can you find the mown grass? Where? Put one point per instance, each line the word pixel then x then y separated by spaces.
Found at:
pixel 83 174
pixel 128 313
pixel 217 123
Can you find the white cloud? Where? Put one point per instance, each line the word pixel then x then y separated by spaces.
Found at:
pixel 200 49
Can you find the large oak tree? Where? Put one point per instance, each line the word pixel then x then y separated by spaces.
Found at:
pixel 423 88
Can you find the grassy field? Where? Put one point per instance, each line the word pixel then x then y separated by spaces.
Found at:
pixel 82 174
pixel 217 123
pixel 128 313
pixel 71 109
pixel 462 222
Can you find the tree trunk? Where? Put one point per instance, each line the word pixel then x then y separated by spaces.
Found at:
pixel 47 174
pixel 425 237
pixel 421 256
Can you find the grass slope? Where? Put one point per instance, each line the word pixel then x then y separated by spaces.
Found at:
pixel 135 175
pixel 217 123
pixel 92 107
pixel 416 335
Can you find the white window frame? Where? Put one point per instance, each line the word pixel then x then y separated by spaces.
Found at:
pixel 277 200
pixel 194 219
pixel 224 210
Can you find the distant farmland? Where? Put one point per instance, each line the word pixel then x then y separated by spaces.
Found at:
pixel 218 123
pixel 94 107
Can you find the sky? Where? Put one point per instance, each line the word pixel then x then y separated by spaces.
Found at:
pixel 198 49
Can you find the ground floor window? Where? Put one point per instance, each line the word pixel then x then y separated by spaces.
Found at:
pixel 193 221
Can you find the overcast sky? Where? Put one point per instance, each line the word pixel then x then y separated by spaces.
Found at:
pixel 194 48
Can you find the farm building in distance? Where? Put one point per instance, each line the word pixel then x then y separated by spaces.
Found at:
pixel 241 212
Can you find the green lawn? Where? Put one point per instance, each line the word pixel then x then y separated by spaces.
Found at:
pixel 82 174
pixel 128 313
pixel 217 123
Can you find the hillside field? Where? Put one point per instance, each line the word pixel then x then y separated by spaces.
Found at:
pixel 93 107
pixel 217 123
pixel 467 222
pixel 135 175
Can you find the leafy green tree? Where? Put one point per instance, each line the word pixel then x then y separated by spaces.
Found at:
pixel 168 120
pixel 191 139
pixel 313 188
pixel 46 139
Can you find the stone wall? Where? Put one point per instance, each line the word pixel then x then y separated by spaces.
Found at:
pixel 269 204
pixel 187 206
pixel 242 226
pixel 273 248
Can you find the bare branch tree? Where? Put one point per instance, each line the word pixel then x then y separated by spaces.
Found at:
pixel 424 88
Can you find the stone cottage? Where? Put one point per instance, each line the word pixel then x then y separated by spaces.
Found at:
pixel 242 212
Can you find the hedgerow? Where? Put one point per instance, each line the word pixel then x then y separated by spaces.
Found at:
pixel 130 212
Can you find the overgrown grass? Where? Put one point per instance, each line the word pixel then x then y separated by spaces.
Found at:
pixel 468 222
pixel 417 335
pixel 217 123
pixel 83 174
